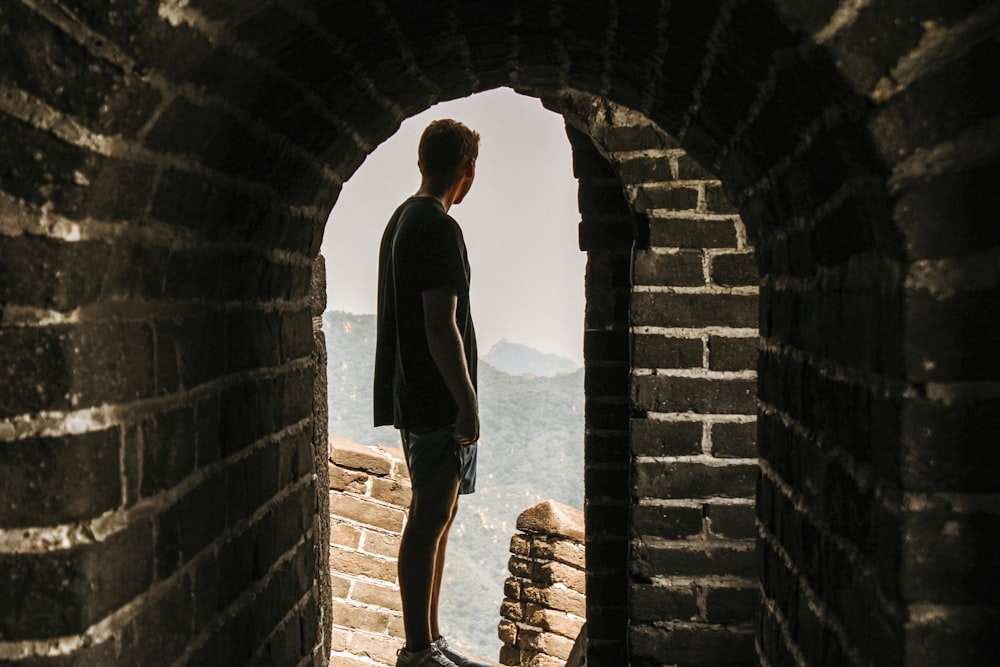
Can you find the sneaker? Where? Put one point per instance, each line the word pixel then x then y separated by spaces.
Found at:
pixel 429 657
pixel 461 660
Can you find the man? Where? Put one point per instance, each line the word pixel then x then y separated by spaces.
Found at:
pixel 425 376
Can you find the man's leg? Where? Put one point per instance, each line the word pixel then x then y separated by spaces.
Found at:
pixel 439 573
pixel 432 509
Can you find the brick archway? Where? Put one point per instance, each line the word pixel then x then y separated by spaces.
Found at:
pixel 169 167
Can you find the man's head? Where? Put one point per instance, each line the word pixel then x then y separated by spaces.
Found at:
pixel 447 155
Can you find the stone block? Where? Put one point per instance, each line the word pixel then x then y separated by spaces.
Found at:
pixel 652 602
pixel 570 552
pixel 658 479
pixel 557 622
pixel 507 632
pixel 545 642
pixel 669 523
pixel 692 233
pixel 393 491
pixel 732 354
pixel 64 592
pixel 355 564
pixel 521 544
pixel 734 439
pixel 345 479
pixel 660 351
pixel 673 198
pixel 367 512
pixel 357 617
pixel 512 610
pixel 558 573
pixel 552 518
pixel 680 268
pixel 369 593
pixel 349 454
pixel 380 543
pixel 664 393
pixel 734 270
pixel 706 645
pixel 344 534
pixel 60 479
pixel 694 310
pixel 730 558
pixel 651 437
pixel 559 599
pixel 731 606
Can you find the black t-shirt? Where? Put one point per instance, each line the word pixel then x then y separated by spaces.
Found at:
pixel 422 248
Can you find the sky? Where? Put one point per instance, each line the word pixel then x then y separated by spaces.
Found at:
pixel 519 221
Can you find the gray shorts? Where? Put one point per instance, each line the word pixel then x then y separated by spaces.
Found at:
pixel 428 449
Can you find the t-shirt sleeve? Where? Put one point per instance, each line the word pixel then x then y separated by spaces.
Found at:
pixel 438 258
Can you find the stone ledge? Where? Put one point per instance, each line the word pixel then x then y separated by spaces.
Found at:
pixel 552 518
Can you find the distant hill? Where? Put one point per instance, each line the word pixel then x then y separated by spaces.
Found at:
pixel 531 450
pixel 518 359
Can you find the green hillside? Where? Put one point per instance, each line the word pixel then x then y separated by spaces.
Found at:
pixel 531 449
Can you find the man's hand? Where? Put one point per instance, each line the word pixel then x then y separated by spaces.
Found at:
pixel 467 427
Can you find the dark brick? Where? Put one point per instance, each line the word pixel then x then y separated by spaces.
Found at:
pixel 732 521
pixel 645 170
pixel 72 367
pixel 693 233
pixel 160 627
pixel 691 646
pixel 693 480
pixel 679 198
pixel 64 592
pixel 677 268
pixel 656 603
pixel 663 393
pixel 732 354
pixel 973 192
pixel 669 523
pixel 734 270
pixel 598 236
pixel 952 338
pixel 651 437
pixel 734 440
pixel 606 380
pixel 46 62
pixel 941 445
pixel 168 450
pixel 694 310
pixel 605 481
pixel 601 345
pixel 731 605
pixel 657 351
pixel 60 480
pixel 607 416
pixel 717 201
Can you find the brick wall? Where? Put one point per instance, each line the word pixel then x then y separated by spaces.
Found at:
pixel 544 607
pixel 692 340
pixel 369 496
pixel 168 167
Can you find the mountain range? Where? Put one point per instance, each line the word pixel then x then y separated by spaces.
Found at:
pixel 531 449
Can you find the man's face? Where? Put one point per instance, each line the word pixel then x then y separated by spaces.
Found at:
pixel 468 176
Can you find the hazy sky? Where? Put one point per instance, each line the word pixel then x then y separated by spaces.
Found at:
pixel 519 220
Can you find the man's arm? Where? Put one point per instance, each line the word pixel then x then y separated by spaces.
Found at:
pixel 445 344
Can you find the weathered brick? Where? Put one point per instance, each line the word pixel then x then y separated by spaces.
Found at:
pixel 694 310
pixel 60 479
pixel 692 233
pixel 732 354
pixel 656 603
pixel 358 564
pixel 733 270
pixel 685 394
pixel 694 646
pixel 64 592
pixel 682 268
pixel 670 523
pixel 651 437
pixel 732 521
pixel 675 198
pixel 366 512
pixel 656 479
pixel 653 351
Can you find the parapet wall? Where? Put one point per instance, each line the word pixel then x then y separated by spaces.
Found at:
pixel 369 494
pixel 545 597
